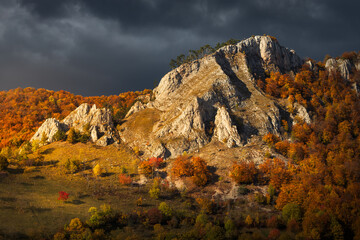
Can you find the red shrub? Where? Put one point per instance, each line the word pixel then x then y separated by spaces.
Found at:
pixel 124 179
pixel 155 162
pixel 63 196
pixel 274 234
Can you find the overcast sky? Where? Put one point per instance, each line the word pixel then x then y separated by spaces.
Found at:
pixel 103 47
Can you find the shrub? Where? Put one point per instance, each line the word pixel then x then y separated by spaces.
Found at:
pixel 273 222
pixel 139 201
pixel 200 171
pixel 249 221
pixel 59 136
pixel 75 225
pixel 293 226
pixel 282 147
pixel 165 209
pixel 72 136
pixel 4 163
pixel 230 228
pixel 182 167
pixel 99 218
pixel 72 166
pixel 145 168
pixel 155 189
pixel 97 170
pixel 205 204
pixel 84 138
pixel 202 219
pixel 244 173
pixel 271 139
pixel 63 196
pixel 215 233
pixel 260 198
pixel 155 162
pixel 274 234
pixel 125 179
pixel 195 168
pixel 154 216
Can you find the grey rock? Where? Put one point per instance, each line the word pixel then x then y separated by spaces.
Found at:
pixel 302 113
pixel 135 108
pixel 49 128
pixel 98 119
pixel 342 65
pixel 103 141
pixel 225 131
pixel 356 88
pixel 265 54
pixel 84 114
pixel 94 134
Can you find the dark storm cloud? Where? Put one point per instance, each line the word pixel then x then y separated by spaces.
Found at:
pixel 96 47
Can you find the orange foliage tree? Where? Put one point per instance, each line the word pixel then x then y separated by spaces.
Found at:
pixel 195 168
pixel 244 172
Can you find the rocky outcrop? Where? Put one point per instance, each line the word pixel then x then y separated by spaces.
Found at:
pixel 225 131
pixel 138 106
pixel 100 118
pixel 211 99
pixel 342 65
pixel 98 121
pixel 301 113
pixel 48 129
pixel 264 53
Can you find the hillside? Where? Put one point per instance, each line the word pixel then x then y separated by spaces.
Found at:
pixel 22 111
pixel 248 142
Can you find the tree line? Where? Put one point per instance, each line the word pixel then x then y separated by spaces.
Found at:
pixel 199 53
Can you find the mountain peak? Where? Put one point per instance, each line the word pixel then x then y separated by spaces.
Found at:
pixel 212 99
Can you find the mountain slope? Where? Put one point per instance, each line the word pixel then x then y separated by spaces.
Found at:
pixel 213 99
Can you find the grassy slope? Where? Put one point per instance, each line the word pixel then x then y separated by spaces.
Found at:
pixel 28 201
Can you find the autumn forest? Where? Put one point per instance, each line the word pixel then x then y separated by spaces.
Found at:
pixel 310 173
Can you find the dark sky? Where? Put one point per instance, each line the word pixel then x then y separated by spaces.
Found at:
pixel 103 47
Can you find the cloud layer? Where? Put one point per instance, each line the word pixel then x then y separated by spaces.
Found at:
pixel 107 47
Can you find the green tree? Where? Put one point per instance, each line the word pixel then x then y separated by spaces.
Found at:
pixel 291 211
pixel 165 209
pixel 155 189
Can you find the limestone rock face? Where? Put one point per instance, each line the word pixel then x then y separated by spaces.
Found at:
pixel 135 108
pixel 264 53
pixel 99 117
pixel 213 98
pixel 99 121
pixel 49 128
pixel 341 65
pixel 302 113
pixel 225 131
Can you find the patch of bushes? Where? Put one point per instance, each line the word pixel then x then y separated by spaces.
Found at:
pixel 72 165
pixel 4 163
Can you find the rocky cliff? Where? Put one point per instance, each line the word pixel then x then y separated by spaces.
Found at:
pixel 213 99
pixel 97 120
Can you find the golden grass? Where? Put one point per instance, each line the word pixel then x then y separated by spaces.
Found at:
pixel 28 201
